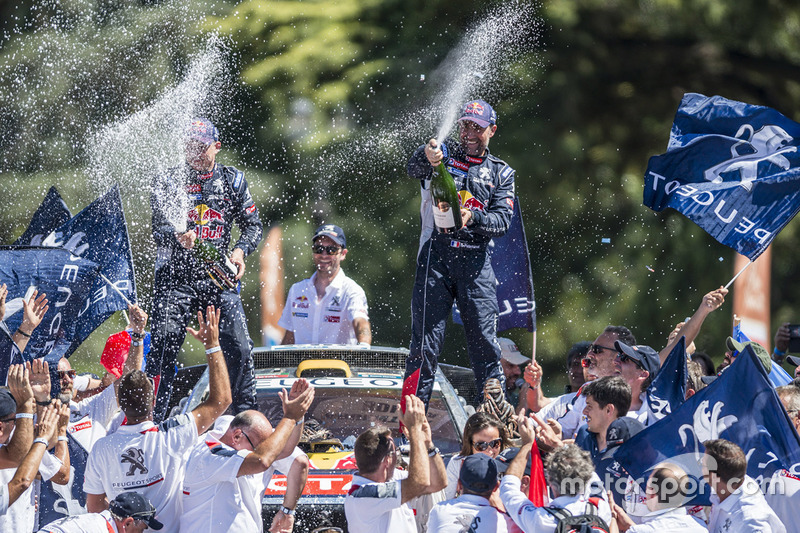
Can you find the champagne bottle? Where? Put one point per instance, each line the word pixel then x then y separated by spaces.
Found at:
pixel 446 204
pixel 218 266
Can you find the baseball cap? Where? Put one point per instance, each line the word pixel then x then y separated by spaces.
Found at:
pixel 478 473
pixel 8 405
pixel 479 112
pixel 334 232
pixel 134 505
pixel 510 352
pixel 793 360
pixel 645 355
pixel 759 350
pixel 622 429
pixel 203 130
pixel 505 457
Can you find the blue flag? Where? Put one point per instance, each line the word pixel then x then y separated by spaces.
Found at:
pixel 51 214
pixel 99 234
pixel 668 390
pixel 730 167
pixel 741 406
pixel 512 268
pixel 66 279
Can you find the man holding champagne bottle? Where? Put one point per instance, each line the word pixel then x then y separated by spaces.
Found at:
pixel 453 261
pixel 192 268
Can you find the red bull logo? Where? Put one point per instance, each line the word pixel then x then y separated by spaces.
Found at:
pixel 202 215
pixel 470 202
pixel 473 108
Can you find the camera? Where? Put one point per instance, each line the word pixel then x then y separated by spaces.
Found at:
pixel 794 338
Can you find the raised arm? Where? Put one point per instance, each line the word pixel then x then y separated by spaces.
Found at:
pixel 295 482
pixel 438 472
pixel 20 387
pixel 295 405
pixel 419 472
pixel 59 439
pixel 138 321
pixel 219 397
pixel 29 466
pixel 535 398
pixel 711 302
pixel 34 310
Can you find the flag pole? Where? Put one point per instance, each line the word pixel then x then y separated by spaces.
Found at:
pixel 739 273
pixel 124 314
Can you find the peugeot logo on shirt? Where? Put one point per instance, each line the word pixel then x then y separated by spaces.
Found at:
pixel 134 457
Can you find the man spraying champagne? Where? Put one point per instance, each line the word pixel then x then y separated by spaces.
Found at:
pixel 454 263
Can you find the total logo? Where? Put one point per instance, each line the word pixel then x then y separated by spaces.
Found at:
pixel 470 202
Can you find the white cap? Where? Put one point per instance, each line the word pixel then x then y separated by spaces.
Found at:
pixel 510 352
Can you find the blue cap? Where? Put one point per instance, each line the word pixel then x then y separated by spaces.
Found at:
pixel 479 112
pixel 478 473
pixel 505 457
pixel 334 232
pixel 203 130
pixel 8 405
pixel 135 505
pixel 645 355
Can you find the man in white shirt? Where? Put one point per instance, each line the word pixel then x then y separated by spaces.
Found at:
pixel 737 503
pixel 570 477
pixel 472 509
pixel 148 458
pixel 329 307
pixel 379 495
pixel 227 473
pixel 783 493
pixel 129 512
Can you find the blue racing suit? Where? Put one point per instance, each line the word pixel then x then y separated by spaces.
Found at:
pixel 182 287
pixel 458 266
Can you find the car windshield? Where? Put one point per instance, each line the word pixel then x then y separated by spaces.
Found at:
pixel 343 413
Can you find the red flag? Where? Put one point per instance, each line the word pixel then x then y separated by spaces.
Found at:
pixel 537 493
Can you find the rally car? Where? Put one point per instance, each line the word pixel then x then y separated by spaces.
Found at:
pixel 356 388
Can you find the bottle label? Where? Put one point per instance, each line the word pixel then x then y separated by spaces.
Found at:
pixel 444 218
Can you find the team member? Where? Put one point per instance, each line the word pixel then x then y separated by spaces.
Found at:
pixel 511 361
pixel 476 483
pixel 218 196
pixel 227 473
pixel 457 265
pixel 129 512
pixel 379 496
pixel 328 307
pixel 22 444
pixel 149 458
pixel 89 421
pixel 737 503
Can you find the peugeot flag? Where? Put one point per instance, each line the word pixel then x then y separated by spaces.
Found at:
pixel 730 167
pixel 66 279
pixel 512 268
pixel 668 389
pixel 740 406
pixel 51 214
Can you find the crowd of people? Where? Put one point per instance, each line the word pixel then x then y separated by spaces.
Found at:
pixel 528 462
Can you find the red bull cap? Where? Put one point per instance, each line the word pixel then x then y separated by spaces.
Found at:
pixel 479 112
pixel 203 130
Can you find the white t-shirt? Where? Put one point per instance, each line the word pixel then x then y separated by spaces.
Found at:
pixel 669 521
pixel 147 458
pixel 531 518
pixel 453 471
pixel 84 523
pixel 744 511
pixel 21 515
pixel 3 498
pixel 325 321
pixel 783 496
pixel 372 507
pixel 89 418
pixel 214 497
pixel 459 514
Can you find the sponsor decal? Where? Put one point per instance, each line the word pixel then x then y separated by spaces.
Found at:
pixel 135 458
pixel 474 160
pixel 510 202
pixel 457 164
pixel 458 172
pixel 474 108
pixel 203 215
pixel 470 202
pixel 333 319
pixel 207 233
pixel 299 315
pixel 300 305
pixel 238 180
pixel 315 485
pixel 86 424
pixel 250 209
pixel 194 187
pixel 302 298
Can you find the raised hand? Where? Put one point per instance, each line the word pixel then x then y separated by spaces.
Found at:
pixel 208 327
pixel 48 422
pixel 19 383
pixel 34 310
pixel 138 318
pixel 296 408
pixel 40 380
pixel 3 294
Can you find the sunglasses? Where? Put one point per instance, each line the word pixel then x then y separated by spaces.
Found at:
pixel 70 373
pixel 248 440
pixel 482 446
pixel 597 348
pixel 624 358
pixel 331 250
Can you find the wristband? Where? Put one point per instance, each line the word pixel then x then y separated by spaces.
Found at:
pixel 28 335
pixel 137 343
pixel 215 349
pixel 433 452
pixel 62 438
pixel 778 352
pixel 40 439
pixel 302 419
pixel 136 336
pixel 25 415
pixel 287 511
